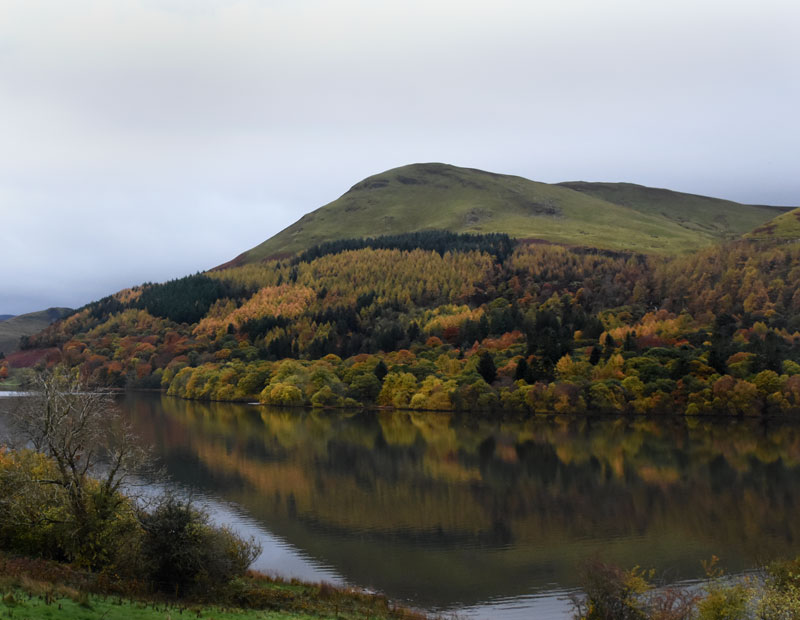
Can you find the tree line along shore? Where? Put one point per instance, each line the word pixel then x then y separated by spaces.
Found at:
pixel 468 323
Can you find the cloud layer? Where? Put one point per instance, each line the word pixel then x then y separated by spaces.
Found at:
pixel 143 140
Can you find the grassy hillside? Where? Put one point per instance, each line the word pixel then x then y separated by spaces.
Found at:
pixel 784 227
pixel 11 330
pixel 439 196
pixel 722 219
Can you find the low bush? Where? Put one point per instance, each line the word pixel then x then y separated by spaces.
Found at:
pixel 611 593
pixel 173 547
pixel 184 554
pixel 725 602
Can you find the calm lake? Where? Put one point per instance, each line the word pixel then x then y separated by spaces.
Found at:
pixel 478 517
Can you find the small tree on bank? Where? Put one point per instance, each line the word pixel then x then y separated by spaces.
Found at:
pixel 92 449
pixel 66 499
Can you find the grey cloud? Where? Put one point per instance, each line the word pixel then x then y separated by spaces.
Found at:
pixel 147 139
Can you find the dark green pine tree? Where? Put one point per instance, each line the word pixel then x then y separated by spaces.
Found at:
pixel 522 370
pixel 611 345
pixel 380 370
pixel 486 367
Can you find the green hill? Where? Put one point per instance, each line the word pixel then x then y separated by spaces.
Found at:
pixel 439 196
pixel 722 219
pixel 11 330
pixel 785 227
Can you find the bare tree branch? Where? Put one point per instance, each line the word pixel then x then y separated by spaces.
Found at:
pixel 94 451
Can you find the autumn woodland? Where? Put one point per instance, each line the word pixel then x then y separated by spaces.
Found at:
pixel 441 321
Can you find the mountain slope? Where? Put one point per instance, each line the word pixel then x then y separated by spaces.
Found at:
pixel 11 330
pixel 712 216
pixel 439 196
pixel 785 227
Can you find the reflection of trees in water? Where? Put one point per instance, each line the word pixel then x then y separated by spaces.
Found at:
pixel 433 479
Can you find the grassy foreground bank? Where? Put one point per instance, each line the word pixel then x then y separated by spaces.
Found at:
pixel 36 588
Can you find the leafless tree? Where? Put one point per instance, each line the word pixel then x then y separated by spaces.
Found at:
pixel 93 449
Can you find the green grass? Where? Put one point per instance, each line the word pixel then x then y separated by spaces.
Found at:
pixel 785 227
pixel 21 604
pixel 35 588
pixel 714 217
pixel 438 196
pixel 18 379
pixel 14 328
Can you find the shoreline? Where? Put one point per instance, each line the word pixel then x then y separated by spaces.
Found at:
pixel 46 583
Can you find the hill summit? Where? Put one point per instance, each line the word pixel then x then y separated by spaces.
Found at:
pixel 428 196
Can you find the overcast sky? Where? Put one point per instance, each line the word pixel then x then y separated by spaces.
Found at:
pixel 142 140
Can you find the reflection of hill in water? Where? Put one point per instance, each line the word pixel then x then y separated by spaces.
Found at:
pixel 426 506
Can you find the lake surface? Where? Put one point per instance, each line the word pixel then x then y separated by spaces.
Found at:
pixel 478 517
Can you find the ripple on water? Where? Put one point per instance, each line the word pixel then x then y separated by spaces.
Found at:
pixel 549 605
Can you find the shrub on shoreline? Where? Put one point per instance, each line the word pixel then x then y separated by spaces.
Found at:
pixel 612 593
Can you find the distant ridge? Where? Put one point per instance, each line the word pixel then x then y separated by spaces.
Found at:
pixel 436 196
pixel 715 216
pixel 15 327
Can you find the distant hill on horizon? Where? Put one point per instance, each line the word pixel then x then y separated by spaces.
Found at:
pixel 15 327
pixel 436 196
pixel 5 317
